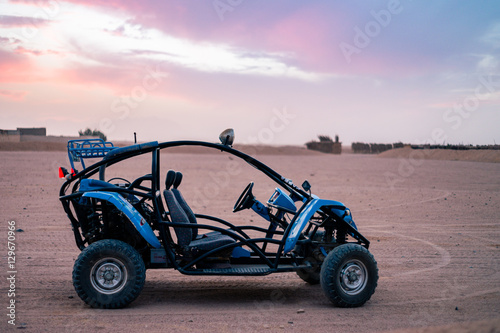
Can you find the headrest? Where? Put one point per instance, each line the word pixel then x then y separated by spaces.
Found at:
pixel 170 179
pixel 178 179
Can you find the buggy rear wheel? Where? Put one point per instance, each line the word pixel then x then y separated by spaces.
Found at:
pixel 109 274
pixel 349 275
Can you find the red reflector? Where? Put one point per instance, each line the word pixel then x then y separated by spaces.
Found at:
pixel 62 172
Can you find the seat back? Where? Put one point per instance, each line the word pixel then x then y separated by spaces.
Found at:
pixel 177 214
pixel 183 203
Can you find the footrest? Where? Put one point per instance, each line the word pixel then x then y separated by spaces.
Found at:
pixel 239 271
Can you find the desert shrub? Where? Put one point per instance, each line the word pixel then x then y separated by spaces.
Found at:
pixel 89 132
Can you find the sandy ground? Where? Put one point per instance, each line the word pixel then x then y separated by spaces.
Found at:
pixel 434 227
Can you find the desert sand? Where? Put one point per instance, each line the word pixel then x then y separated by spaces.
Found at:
pixel 433 225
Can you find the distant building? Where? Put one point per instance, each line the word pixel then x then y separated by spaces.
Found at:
pixel 326 145
pixel 22 134
pixel 373 148
pixel 8 132
pixel 35 134
pixel 41 131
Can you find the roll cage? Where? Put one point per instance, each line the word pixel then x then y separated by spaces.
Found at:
pixel 329 215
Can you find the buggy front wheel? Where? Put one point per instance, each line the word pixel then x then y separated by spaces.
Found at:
pixel 109 274
pixel 349 275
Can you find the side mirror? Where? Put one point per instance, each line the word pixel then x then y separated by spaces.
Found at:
pixel 227 137
pixel 306 186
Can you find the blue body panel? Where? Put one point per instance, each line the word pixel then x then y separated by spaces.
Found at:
pixel 133 215
pixel 304 217
pixel 260 209
pixel 282 200
pixel 239 252
pixel 92 184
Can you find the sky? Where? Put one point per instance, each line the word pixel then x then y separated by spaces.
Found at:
pixel 278 72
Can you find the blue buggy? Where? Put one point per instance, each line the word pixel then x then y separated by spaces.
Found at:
pixel 125 227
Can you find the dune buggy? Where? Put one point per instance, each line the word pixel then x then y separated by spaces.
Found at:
pixel 125 227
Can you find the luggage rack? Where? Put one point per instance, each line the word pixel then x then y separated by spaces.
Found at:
pixel 78 150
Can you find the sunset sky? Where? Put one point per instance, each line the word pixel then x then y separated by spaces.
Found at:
pixel 278 72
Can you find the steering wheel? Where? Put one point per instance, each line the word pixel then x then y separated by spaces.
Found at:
pixel 245 200
pixel 119 178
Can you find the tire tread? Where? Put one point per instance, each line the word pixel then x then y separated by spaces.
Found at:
pixel 97 248
pixel 329 272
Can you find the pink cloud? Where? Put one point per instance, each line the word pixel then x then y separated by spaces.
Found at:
pixel 126 5
pixel 121 80
pixel 9 40
pixel 21 21
pixel 133 80
pixel 301 31
pixel 12 94
pixel 18 68
pixel 22 50
pixel 306 33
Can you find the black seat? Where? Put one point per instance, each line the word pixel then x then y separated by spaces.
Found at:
pixel 180 212
pixel 189 212
pixel 180 199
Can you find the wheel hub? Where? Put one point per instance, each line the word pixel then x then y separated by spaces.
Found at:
pixel 353 277
pixel 108 276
